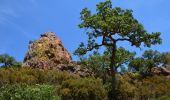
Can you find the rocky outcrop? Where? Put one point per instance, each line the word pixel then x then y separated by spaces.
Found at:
pixel 48 52
pixel 74 69
pixel 160 71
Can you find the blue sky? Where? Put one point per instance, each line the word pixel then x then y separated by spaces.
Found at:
pixel 24 20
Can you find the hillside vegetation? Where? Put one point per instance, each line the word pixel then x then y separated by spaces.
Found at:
pixel 36 84
pixel 108 72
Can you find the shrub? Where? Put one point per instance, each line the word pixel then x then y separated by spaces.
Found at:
pixel 25 92
pixel 69 86
pixel 18 75
pixel 164 97
pixel 82 89
pixel 126 88
pixel 57 77
pixel 32 76
pixel 156 87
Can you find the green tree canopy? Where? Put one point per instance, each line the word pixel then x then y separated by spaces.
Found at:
pixel 8 61
pixel 99 63
pixel 149 59
pixel 108 26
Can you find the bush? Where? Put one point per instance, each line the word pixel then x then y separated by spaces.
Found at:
pixel 133 87
pixel 69 86
pixel 164 97
pixel 126 88
pixel 156 87
pixel 57 77
pixel 32 76
pixel 25 92
pixel 82 89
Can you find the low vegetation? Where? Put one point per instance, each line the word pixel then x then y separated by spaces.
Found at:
pixel 42 84
pixel 26 92
pixel 36 84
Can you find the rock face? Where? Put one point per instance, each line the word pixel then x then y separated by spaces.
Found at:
pixel 160 71
pixel 74 69
pixel 46 52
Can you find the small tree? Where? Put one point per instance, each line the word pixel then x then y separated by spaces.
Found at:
pixel 110 25
pixel 149 59
pixel 8 61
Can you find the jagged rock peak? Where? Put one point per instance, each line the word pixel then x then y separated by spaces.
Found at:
pixel 50 35
pixel 46 52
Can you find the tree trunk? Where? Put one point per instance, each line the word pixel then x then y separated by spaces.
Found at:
pixel 113 71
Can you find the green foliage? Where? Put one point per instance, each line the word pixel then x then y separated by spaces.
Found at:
pixel 16 82
pixel 82 89
pixel 155 57
pixel 25 92
pixel 8 61
pixel 132 86
pixel 33 76
pixel 99 63
pixel 167 59
pixel 107 27
pixel 123 56
pixel 126 88
pixel 149 59
pixel 138 64
pixel 156 88
pixel 164 98
pixel 62 81
pixel 113 25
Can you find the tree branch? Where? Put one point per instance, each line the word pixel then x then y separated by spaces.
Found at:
pixel 123 39
pixel 104 43
pixel 95 46
pixel 110 36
